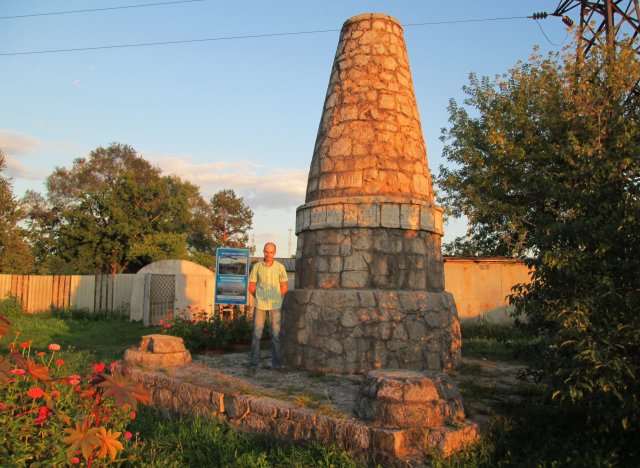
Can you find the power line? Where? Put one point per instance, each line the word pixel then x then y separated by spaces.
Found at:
pixel 143 5
pixel 231 38
pixel 185 41
pixel 432 23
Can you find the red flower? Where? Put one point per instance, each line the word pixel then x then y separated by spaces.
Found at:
pixel 35 392
pixel 54 347
pixel 43 414
pixel 128 435
pixel 55 393
pixel 113 365
pixel 75 460
pixel 60 362
pixel 41 353
pixel 132 415
pixel 25 344
pixel 97 368
pixel 18 371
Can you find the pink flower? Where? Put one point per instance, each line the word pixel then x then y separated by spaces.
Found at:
pixel 75 460
pixel 74 379
pixel 41 353
pixel 60 362
pixel 35 392
pixel 54 347
pixel 18 371
pixel 97 368
pixel 55 393
pixel 128 435
pixel 113 365
pixel 132 415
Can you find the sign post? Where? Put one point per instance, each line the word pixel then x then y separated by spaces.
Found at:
pixel 232 276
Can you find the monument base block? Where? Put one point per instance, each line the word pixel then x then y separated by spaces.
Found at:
pixel 346 331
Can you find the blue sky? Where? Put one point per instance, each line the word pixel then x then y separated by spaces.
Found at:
pixel 233 113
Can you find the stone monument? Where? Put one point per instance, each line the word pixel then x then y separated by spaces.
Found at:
pixel 369 272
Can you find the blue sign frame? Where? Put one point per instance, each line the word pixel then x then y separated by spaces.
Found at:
pixel 232 276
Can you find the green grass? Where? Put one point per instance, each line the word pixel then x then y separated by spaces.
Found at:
pixel 104 340
pixel 499 342
pixel 193 441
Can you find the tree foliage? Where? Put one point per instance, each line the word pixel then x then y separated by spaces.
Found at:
pixel 546 163
pixel 230 219
pixel 112 212
pixel 15 254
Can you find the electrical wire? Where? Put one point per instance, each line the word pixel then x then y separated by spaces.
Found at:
pixel 231 38
pixel 547 37
pixel 143 5
pixel 432 23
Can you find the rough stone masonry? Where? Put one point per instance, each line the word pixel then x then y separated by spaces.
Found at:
pixel 369 272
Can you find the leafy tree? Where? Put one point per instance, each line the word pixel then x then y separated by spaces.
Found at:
pixel 547 165
pixel 113 212
pixel 15 254
pixel 230 219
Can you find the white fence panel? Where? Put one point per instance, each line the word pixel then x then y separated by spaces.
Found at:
pixel 122 293
pixel 83 292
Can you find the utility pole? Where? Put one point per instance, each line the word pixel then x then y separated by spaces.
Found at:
pixel 602 22
pixel 290 245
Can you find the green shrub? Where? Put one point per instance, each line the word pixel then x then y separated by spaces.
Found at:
pixel 10 307
pixel 199 330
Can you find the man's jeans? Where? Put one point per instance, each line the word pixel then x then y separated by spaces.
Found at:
pixel 275 320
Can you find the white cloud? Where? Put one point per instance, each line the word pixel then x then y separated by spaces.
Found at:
pixel 75 82
pixel 31 158
pixel 15 143
pixel 260 187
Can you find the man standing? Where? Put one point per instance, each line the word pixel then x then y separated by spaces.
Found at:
pixel 268 283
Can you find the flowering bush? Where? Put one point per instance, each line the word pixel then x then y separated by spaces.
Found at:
pixel 51 418
pixel 198 329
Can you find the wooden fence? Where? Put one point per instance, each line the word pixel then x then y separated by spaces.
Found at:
pixel 92 293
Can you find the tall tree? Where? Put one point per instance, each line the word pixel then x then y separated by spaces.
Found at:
pixel 114 212
pixel 15 254
pixel 547 164
pixel 230 219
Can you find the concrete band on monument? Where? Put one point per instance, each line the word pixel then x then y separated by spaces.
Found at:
pixel 370 212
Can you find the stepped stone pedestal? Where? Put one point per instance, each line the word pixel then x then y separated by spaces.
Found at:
pixel 158 351
pixel 369 272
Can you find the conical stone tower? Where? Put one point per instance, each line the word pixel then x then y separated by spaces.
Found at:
pixel 369 274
